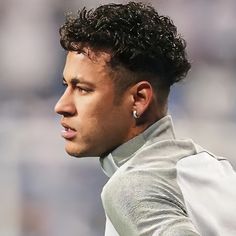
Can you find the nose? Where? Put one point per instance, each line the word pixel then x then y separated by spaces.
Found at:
pixel 65 105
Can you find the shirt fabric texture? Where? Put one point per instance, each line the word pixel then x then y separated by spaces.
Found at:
pixel 163 186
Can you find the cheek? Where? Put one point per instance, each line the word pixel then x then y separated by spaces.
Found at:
pixel 117 122
pixel 94 110
pixel 101 130
pixel 99 116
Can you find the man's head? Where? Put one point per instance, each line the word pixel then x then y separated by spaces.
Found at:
pixel 122 58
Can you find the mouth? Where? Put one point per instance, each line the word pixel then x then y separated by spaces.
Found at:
pixel 68 132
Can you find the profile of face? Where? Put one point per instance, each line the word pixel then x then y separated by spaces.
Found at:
pixel 94 124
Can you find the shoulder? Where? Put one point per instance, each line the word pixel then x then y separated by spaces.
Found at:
pixel 145 200
pixel 206 172
pixel 143 188
pixel 207 184
pixel 203 163
pixel 151 171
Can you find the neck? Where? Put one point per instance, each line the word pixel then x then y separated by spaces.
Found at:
pixel 145 121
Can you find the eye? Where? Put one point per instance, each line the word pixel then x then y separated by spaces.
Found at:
pixel 83 90
pixel 64 84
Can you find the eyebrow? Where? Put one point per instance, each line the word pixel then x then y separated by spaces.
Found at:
pixel 74 81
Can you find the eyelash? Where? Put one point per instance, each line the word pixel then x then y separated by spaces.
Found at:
pixel 80 89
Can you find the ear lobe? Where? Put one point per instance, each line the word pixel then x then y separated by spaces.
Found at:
pixel 142 95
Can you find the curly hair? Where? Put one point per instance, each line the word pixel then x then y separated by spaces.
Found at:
pixel 139 39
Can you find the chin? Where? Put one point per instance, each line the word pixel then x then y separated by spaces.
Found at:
pixel 82 150
pixel 73 150
pixel 78 153
pixel 75 153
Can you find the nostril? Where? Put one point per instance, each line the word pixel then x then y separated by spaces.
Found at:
pixel 66 114
pixel 65 110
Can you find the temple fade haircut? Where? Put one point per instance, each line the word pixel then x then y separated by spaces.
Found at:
pixel 142 43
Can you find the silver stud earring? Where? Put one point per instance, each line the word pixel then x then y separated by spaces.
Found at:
pixel 135 115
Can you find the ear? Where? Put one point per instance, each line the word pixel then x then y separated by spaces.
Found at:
pixel 142 96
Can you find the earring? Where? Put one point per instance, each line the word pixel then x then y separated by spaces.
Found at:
pixel 135 115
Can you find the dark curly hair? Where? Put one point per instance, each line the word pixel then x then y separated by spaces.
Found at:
pixel 139 39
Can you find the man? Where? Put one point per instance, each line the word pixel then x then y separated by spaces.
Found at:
pixel 121 63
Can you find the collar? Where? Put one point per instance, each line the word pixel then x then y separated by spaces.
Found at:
pixel 160 130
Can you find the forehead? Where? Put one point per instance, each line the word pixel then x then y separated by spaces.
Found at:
pixel 86 65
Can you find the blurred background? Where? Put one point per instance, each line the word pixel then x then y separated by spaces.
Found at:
pixel 43 191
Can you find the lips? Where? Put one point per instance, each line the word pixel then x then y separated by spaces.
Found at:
pixel 68 132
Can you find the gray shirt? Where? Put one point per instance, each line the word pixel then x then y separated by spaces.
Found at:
pixel 163 186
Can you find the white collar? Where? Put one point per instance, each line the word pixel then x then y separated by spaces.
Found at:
pixel 160 130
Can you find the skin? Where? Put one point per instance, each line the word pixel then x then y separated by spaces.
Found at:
pixel 87 106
